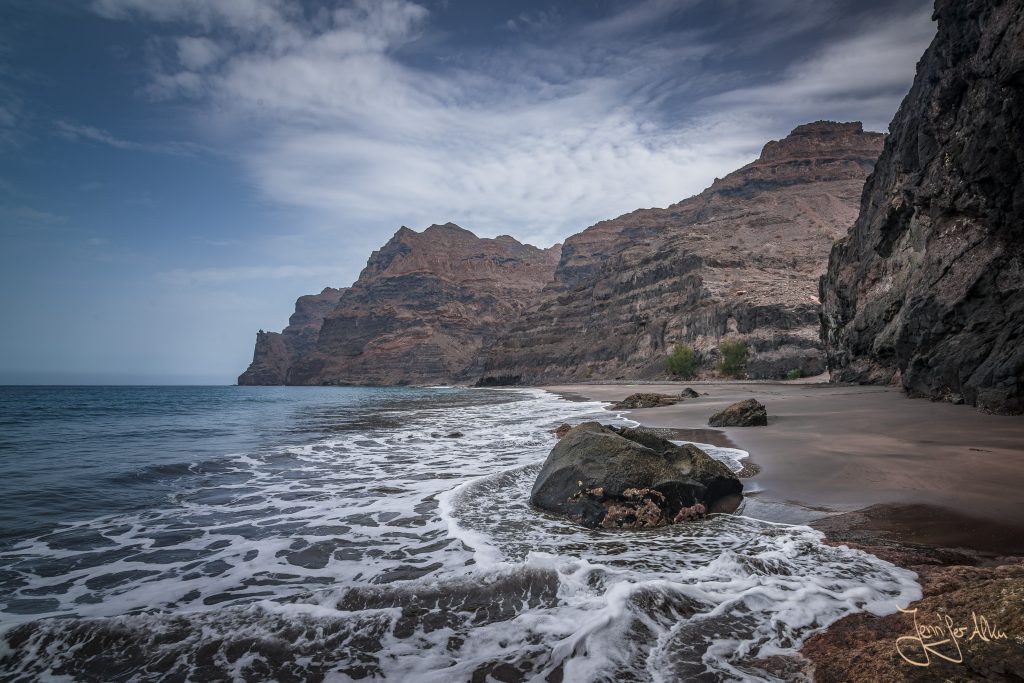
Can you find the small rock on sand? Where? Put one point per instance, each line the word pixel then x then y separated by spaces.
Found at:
pixel 635 401
pixel 749 413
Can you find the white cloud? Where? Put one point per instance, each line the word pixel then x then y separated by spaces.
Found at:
pixel 336 113
pixel 865 72
pixel 74 132
pixel 540 20
pixel 237 15
pixel 637 16
pixel 196 53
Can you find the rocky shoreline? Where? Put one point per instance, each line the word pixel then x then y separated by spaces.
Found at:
pixel 973 594
pixel 970 566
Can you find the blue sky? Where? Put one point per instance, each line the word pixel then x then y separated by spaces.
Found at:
pixel 176 172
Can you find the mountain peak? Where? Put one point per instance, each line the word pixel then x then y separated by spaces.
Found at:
pixel 448 227
pixel 823 139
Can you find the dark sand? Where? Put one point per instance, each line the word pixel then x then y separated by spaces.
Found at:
pixel 915 471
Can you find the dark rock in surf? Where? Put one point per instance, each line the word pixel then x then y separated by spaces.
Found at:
pixel 607 477
pixel 749 413
pixel 636 401
pixel 449 435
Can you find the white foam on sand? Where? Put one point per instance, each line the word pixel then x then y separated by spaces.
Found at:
pixel 395 554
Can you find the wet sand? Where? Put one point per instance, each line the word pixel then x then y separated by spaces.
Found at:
pixel 915 471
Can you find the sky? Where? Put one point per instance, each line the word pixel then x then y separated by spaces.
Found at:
pixel 175 173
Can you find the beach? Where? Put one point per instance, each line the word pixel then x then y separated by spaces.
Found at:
pixel 340 533
pixel 946 475
pixel 929 486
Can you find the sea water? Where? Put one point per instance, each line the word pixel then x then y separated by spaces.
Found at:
pixel 330 533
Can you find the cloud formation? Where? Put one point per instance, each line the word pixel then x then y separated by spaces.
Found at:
pixel 356 112
pixel 74 132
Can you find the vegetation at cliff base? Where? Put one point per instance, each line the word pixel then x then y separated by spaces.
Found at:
pixel 682 362
pixel 734 358
pixel 794 374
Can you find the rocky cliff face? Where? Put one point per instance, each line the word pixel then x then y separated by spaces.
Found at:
pixel 926 291
pixel 277 351
pixel 424 308
pixel 741 259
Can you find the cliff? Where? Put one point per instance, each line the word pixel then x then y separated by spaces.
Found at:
pixel 424 308
pixel 741 259
pixel 276 351
pixel 926 290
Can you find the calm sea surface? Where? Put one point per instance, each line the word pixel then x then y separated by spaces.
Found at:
pixel 251 533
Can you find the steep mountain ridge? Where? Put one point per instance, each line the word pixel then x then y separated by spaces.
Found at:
pixel 424 307
pixel 740 259
pixel 927 290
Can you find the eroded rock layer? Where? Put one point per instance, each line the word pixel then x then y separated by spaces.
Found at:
pixel 741 259
pixel 424 308
pixel 927 291
pixel 276 351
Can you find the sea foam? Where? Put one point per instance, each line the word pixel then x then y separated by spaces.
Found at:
pixel 390 552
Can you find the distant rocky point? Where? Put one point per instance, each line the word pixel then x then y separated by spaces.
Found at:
pixel 422 311
pixel 277 351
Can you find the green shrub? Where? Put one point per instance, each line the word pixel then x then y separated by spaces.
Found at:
pixel 682 362
pixel 794 374
pixel 734 357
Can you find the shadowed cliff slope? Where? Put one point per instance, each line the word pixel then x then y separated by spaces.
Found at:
pixel 741 259
pixel 926 291
pixel 276 351
pixel 424 308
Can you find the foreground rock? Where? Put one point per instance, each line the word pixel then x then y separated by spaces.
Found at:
pixel 984 601
pixel 749 413
pixel 603 477
pixel 862 647
pixel 927 291
pixel 637 401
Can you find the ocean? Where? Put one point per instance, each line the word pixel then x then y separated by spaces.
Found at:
pixel 333 533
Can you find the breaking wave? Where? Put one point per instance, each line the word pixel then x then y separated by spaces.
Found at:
pixel 395 551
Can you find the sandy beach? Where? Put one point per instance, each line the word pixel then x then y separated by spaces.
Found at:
pixel 915 471
pixel 931 487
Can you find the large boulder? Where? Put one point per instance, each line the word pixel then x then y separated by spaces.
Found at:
pixel 602 476
pixel 635 401
pixel 749 413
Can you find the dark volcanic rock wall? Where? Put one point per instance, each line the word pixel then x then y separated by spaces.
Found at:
pixel 741 259
pixel 926 291
pixel 276 351
pixel 424 308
